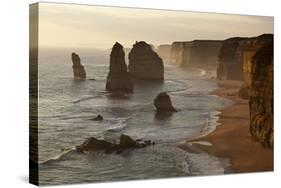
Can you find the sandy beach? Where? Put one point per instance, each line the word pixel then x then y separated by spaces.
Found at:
pixel 232 139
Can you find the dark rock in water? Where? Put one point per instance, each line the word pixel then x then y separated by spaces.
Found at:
pixel 78 69
pixel 163 103
pixel 93 144
pixel 261 96
pixel 144 63
pixel 118 78
pixel 244 92
pixel 125 142
pixel 98 118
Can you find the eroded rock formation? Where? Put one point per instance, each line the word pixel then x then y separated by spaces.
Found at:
pixel 125 142
pixel 118 78
pixel 163 103
pixel 261 95
pixel 144 63
pixel 78 69
pixel 198 53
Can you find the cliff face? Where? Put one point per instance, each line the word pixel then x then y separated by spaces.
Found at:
pixel 144 63
pixel 118 78
pixel 261 95
pixel 197 53
pixel 177 50
pixel 229 65
pixel 164 51
pixel 234 62
pixel 250 47
pixel 78 69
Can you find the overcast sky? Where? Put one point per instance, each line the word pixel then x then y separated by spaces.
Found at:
pixel 66 25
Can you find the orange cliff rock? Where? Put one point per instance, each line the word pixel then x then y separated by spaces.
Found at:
pixel 261 94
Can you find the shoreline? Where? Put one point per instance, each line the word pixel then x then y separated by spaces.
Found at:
pixel 231 139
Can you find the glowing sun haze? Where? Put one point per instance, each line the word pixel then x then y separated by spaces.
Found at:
pixel 68 25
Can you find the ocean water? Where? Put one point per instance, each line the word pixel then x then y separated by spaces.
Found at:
pixel 66 107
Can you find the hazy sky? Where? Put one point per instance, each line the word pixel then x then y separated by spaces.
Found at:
pixel 66 25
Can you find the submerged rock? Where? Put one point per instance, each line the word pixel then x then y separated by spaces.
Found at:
pixel 163 103
pixel 98 118
pixel 118 78
pixel 125 142
pixel 78 69
pixel 144 63
pixel 261 96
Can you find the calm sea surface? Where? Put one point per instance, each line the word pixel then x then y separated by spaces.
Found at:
pixel 66 106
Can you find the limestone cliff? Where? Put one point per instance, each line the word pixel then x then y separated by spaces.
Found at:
pixel 229 65
pixel 198 53
pixel 144 63
pixel 261 95
pixel 250 47
pixel 164 51
pixel 78 69
pixel 177 50
pixel 118 78
pixel 235 57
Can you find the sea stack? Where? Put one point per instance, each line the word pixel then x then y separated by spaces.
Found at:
pixel 144 63
pixel 118 79
pixel 261 95
pixel 163 103
pixel 78 69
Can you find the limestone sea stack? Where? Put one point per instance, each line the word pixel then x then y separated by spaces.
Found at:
pixel 261 95
pixel 118 79
pixel 78 69
pixel 144 63
pixel 163 103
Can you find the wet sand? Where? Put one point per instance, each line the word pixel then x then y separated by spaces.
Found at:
pixel 232 139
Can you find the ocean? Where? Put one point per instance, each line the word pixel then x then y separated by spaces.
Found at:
pixel 67 105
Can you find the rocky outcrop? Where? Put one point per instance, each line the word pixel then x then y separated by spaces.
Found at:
pixel 229 64
pixel 164 51
pixel 198 53
pixel 163 103
pixel 78 69
pixel 118 78
pixel 125 142
pixel 144 63
pixel 261 95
